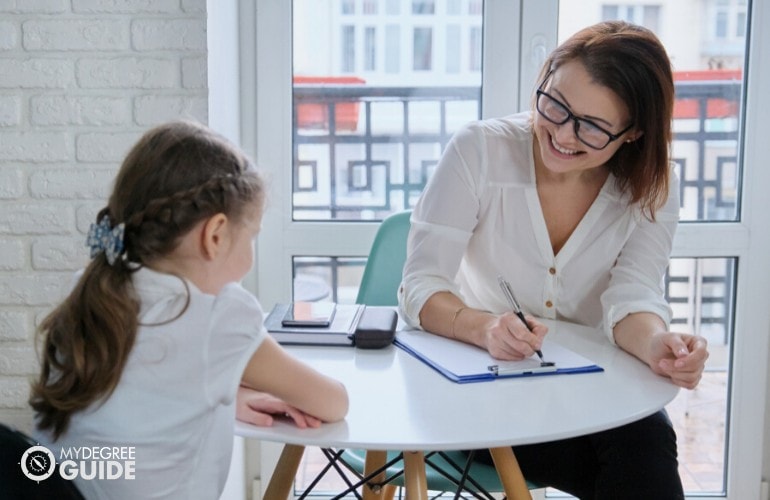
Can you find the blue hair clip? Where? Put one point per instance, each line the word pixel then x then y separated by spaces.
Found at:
pixel 102 237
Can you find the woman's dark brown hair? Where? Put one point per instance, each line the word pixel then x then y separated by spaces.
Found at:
pixel 630 61
pixel 176 175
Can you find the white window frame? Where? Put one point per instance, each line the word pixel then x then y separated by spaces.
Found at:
pixel 265 121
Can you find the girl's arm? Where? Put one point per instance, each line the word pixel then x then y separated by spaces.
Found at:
pixel 272 369
pixel 258 408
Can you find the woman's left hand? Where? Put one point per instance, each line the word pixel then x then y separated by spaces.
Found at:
pixel 681 357
pixel 259 408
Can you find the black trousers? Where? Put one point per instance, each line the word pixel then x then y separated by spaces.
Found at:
pixel 634 461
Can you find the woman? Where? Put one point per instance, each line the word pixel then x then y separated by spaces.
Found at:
pixel 575 204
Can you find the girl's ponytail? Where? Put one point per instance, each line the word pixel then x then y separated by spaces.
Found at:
pixel 87 341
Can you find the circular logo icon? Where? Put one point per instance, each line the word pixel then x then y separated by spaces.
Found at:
pixel 38 463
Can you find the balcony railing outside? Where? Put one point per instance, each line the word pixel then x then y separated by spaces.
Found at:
pixel 379 161
pixel 384 165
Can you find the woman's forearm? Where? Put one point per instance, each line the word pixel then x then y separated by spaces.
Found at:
pixel 445 314
pixel 633 333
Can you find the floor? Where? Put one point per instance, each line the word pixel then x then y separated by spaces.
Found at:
pixel 698 417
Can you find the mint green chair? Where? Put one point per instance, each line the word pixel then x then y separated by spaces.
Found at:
pixel 382 274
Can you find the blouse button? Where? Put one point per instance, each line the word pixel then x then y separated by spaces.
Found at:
pixel 548 303
pixel 552 270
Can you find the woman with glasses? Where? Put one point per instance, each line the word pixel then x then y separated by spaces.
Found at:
pixel 575 205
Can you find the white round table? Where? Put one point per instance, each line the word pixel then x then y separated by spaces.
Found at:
pixel 398 402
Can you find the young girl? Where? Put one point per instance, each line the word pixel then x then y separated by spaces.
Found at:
pixel 148 351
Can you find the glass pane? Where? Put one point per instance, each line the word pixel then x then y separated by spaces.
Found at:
pixel 708 59
pixel 327 278
pixel 422 49
pixel 423 6
pixel 370 54
pixel 702 294
pixel 378 90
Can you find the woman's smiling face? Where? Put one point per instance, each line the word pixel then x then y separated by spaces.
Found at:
pixel 557 147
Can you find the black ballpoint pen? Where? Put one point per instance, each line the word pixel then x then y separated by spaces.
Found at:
pixel 508 292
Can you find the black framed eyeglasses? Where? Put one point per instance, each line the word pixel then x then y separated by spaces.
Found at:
pixel 587 132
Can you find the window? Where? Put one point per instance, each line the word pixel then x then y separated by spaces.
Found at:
pixel 453 48
pixel 370 49
pixel 720 30
pixel 392 48
pixel 423 7
pixel 370 7
pixel 330 175
pixel 727 21
pixel 475 46
pixel 348 48
pixel 422 49
pixel 740 25
pixel 645 15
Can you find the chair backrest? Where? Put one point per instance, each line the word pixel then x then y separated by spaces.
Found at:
pixel 382 274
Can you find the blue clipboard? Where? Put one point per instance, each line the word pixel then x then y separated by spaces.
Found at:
pixel 465 363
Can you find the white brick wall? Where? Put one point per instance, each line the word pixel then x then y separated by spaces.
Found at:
pixel 80 80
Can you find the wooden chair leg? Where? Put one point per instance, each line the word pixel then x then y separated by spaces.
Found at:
pixel 389 491
pixel 414 471
pixel 281 482
pixel 375 459
pixel 510 474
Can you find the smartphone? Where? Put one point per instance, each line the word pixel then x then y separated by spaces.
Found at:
pixel 311 314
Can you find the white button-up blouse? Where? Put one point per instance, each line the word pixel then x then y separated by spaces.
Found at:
pixel 480 217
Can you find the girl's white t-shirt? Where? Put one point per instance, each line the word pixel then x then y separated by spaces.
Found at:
pixel 175 404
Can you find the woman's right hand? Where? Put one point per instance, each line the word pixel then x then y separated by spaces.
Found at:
pixel 507 338
pixel 504 336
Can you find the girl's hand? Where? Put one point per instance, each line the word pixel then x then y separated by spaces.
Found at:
pixel 508 338
pixel 259 408
pixel 681 357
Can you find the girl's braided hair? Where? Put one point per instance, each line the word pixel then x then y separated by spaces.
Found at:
pixel 175 176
